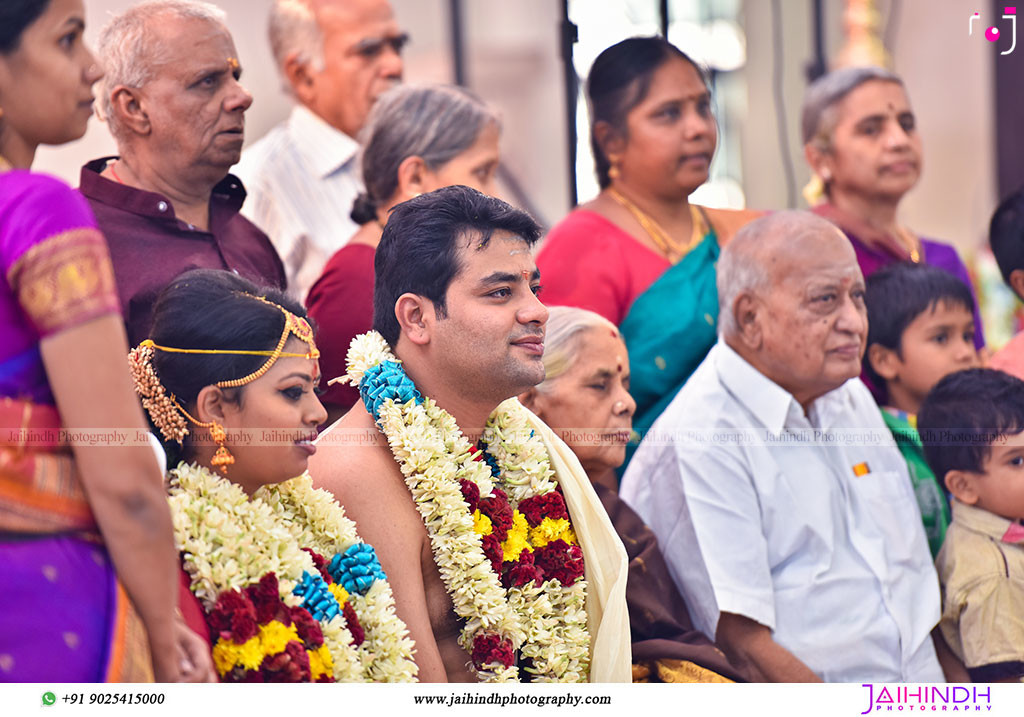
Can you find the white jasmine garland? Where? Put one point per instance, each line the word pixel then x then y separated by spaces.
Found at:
pixel 428 465
pixel 546 623
pixel 230 541
pixel 526 471
pixel 318 522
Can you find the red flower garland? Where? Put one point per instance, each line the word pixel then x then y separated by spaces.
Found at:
pixel 320 563
pixel 492 551
pixel 308 628
pixel 237 617
pixel 557 560
pixel 358 634
pixel 497 508
pixel 550 505
pixel 233 617
pixel 265 598
pixel 522 571
pixel 291 665
pixel 470 493
pixel 354 626
pixel 560 561
pixel 490 648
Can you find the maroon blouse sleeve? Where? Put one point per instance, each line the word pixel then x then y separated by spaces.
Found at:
pixel 341 304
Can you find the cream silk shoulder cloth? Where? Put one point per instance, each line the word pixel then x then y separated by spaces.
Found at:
pixel 605 559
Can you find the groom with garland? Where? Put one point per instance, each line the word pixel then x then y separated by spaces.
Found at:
pixel 503 564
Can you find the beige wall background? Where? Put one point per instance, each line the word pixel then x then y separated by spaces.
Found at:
pixel 513 61
pixel 949 77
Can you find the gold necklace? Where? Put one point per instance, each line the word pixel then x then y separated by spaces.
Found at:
pixel 661 238
pixel 911 242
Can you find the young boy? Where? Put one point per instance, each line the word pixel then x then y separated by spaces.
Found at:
pixel 972 427
pixel 920 328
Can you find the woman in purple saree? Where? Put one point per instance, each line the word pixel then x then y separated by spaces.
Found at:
pixel 84 523
pixel 861 142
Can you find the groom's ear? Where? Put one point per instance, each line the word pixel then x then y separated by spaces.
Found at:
pixel 416 317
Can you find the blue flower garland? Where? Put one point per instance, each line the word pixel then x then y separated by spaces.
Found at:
pixel 386 380
pixel 356 569
pixel 316 597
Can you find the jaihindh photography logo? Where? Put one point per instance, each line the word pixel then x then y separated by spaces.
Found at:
pixel 927 698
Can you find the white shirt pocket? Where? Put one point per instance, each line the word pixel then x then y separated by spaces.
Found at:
pixel 888 501
pixel 883 486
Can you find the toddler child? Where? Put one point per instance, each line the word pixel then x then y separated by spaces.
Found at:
pixel 972 429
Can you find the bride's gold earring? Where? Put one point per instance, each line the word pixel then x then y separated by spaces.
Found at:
pixel 222 458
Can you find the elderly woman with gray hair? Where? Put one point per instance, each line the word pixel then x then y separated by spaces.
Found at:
pixel 861 141
pixel 417 139
pixel 585 399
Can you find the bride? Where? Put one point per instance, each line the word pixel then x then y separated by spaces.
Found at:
pixel 287 589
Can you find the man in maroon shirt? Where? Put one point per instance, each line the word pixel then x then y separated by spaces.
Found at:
pixel 167 204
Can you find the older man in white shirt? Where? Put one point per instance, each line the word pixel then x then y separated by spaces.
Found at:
pixel 782 505
pixel 336 58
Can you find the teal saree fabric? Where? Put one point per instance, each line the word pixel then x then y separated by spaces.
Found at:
pixel 669 330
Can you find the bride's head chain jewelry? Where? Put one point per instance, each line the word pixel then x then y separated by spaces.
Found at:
pixel 168 415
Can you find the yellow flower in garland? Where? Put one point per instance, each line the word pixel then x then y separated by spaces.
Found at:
pixel 320 662
pixel 227 655
pixel 551 530
pixel 481 523
pixel 518 538
pixel 274 637
pixel 340 594
pixel 224 656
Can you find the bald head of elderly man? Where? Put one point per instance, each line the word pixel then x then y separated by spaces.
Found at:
pixel 784 509
pixel 175 105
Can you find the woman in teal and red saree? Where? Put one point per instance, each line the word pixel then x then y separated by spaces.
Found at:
pixel 641 254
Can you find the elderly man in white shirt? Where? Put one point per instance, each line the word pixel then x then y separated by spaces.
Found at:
pixel 783 507
pixel 302 177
